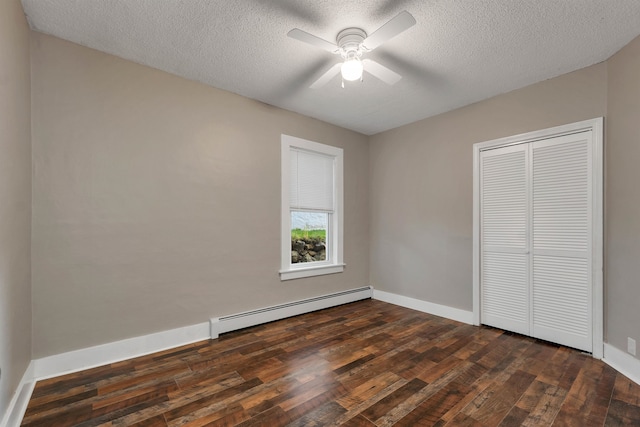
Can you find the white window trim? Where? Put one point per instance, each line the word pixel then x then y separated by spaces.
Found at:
pixel 335 263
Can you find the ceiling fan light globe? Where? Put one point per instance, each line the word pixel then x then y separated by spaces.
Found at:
pixel 352 69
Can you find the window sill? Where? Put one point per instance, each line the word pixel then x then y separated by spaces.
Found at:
pixel 319 270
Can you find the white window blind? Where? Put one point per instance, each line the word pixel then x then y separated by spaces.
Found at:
pixel 312 181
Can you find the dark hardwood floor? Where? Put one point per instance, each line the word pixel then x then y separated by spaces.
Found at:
pixel 363 364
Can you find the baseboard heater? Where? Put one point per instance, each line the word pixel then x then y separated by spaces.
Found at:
pixel 220 325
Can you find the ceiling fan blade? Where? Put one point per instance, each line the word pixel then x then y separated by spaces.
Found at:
pixel 402 21
pixel 380 71
pixel 305 37
pixel 327 76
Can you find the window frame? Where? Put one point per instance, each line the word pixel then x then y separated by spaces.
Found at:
pixel 334 262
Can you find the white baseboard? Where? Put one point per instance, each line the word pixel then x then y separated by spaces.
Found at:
pixel 91 357
pixel 622 362
pixel 425 306
pixel 20 400
pixel 104 354
pixel 246 319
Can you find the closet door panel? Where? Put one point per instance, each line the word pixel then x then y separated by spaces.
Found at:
pixel 505 297
pixel 561 195
pixel 561 240
pixel 561 301
pixel 504 204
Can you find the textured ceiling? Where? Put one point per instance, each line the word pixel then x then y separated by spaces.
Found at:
pixel 459 52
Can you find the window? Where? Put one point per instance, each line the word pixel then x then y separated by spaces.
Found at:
pixel 311 209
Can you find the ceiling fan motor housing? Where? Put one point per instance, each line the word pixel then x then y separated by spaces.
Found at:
pixel 350 42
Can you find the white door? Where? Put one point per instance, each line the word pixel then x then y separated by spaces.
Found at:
pixel 504 261
pixel 561 251
pixel 535 238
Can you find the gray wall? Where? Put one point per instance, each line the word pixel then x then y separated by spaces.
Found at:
pixel 157 200
pixel 622 224
pixel 421 181
pixel 15 199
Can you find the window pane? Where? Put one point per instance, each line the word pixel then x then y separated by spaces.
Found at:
pixel 309 236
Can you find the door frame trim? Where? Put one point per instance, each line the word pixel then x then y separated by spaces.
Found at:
pixel 596 126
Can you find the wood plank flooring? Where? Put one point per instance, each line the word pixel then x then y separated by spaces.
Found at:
pixel 363 364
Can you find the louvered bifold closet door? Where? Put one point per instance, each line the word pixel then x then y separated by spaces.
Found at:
pixel 561 230
pixel 504 235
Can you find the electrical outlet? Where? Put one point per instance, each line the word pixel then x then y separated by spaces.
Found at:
pixel 631 346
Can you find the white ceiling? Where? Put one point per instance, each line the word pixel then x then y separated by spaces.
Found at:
pixel 459 52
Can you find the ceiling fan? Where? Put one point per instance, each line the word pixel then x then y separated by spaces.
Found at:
pixel 351 44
